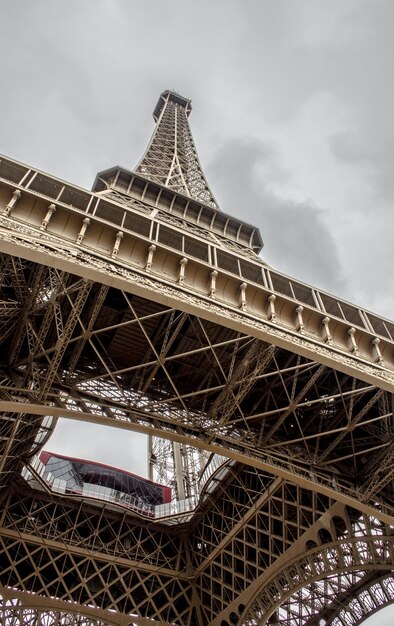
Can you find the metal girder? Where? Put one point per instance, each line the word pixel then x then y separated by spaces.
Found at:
pixel 18 607
pixel 64 335
pixel 382 475
pixel 254 543
pixel 254 363
pixel 104 401
pixel 366 363
pixel 94 557
pixel 334 559
pixel 167 461
pixel 364 601
pixel 352 423
pixel 92 316
pixel 171 158
pixel 43 335
pixel 36 282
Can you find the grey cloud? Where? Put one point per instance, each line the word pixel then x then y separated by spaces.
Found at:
pixel 114 446
pixel 375 155
pixel 297 240
pixel 347 147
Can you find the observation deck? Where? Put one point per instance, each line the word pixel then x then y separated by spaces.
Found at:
pixel 104 485
pixel 171 96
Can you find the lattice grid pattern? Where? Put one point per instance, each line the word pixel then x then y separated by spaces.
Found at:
pixel 171 158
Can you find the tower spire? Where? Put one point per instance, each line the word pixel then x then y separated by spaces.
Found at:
pixel 171 157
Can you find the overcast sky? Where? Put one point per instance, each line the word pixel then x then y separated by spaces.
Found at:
pixel 293 104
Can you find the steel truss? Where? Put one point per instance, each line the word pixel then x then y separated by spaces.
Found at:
pixel 215 388
pixel 171 158
pixel 253 544
pixel 139 332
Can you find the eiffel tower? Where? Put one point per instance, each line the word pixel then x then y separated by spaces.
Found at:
pixel 268 405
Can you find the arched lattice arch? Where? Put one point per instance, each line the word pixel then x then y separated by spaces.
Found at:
pixel 18 608
pixel 301 592
pixel 368 600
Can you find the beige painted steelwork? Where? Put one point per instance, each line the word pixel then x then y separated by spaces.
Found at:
pixel 140 305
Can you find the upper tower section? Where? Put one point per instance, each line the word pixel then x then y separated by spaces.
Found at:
pixel 168 186
pixel 171 157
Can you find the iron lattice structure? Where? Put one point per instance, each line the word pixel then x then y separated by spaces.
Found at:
pixel 140 305
pixel 171 157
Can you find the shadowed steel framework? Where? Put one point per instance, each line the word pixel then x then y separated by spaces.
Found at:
pixel 268 405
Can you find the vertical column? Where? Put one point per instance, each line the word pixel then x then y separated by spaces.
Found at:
pixel 85 224
pixel 182 269
pixel 151 251
pixel 15 197
pixel 47 218
pixel 242 302
pixel 271 308
pixel 115 250
pixel 212 289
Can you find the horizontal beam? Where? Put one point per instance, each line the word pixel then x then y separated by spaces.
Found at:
pixel 291 473
pixel 59 546
pixel 97 267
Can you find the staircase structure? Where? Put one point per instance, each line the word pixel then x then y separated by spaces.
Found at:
pixel 268 405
